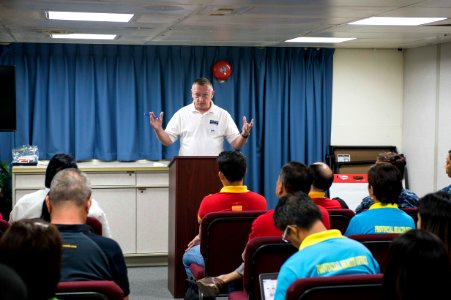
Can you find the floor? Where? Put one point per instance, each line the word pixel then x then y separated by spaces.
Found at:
pixel 150 283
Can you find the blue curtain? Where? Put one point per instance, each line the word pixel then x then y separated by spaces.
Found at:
pixel 89 100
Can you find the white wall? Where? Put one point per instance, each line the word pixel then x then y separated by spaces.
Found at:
pixel 388 97
pixel 427 116
pixel 367 97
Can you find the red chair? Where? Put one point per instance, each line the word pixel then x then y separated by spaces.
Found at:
pixel 95 225
pixel 263 255
pixel 349 287
pixel 340 218
pixel 223 238
pixel 378 244
pixel 90 289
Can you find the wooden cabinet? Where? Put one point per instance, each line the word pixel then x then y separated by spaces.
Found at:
pixel 134 196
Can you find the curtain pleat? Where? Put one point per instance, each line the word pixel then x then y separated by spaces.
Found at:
pixel 90 100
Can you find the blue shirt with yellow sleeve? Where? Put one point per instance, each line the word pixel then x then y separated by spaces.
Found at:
pixel 327 253
pixel 380 218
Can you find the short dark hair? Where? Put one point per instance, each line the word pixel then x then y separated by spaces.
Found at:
pixel 296 209
pixel 435 215
pixel 203 81
pixel 417 267
pixel 33 248
pixel 396 159
pixel 232 164
pixel 323 176
pixel 386 181
pixel 296 176
pixel 57 163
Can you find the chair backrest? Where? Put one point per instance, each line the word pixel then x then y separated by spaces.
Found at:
pixel 413 212
pixel 223 238
pixel 349 287
pixel 263 255
pixel 95 225
pixel 90 289
pixel 378 244
pixel 340 218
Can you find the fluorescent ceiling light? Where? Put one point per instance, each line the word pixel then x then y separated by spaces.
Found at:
pixel 396 21
pixel 319 40
pixel 88 16
pixel 83 36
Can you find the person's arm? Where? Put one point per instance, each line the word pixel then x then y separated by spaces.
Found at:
pixel 195 241
pixel 157 124
pixel 239 142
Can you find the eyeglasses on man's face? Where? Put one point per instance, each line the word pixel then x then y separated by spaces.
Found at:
pixel 204 96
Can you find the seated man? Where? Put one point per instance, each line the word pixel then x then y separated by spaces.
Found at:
pixel 447 189
pixel 31 206
pixel 323 177
pixel 321 252
pixel 86 255
pixel 293 177
pixel 406 198
pixel 384 216
pixel 234 196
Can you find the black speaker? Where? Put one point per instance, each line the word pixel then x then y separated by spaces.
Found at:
pixel 7 98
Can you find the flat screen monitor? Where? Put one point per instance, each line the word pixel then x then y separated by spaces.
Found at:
pixel 7 98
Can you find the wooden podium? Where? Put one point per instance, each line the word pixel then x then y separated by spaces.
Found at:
pixel 191 178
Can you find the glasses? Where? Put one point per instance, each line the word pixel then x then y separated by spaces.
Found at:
pixel 284 235
pixel 204 96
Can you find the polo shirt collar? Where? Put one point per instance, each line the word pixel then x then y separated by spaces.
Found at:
pixel 320 237
pixel 382 205
pixel 317 194
pixel 234 189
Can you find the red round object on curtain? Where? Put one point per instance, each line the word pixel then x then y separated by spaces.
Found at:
pixel 222 70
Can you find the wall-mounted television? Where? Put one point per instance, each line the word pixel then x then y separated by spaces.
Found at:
pixel 7 98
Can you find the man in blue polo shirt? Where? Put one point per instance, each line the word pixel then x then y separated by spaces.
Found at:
pixel 384 216
pixel 321 252
pixel 86 255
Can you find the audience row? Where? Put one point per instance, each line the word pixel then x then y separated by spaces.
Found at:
pixel 64 248
pixel 381 215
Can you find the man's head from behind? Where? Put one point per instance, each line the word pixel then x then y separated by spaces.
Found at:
pixel 232 164
pixel 57 163
pixel 323 176
pixel 396 159
pixel 293 177
pixel 384 183
pixel 33 248
pixel 295 214
pixel 69 187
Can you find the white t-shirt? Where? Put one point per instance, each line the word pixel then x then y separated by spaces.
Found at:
pixel 202 134
pixel 29 206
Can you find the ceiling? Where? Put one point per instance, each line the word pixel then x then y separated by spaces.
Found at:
pixel 256 23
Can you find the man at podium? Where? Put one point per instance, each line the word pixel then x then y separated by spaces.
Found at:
pixel 201 126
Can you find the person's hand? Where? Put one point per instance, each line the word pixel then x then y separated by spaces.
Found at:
pixel 247 127
pixel 194 242
pixel 156 122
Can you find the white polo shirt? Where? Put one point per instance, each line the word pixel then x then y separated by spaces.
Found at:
pixel 29 206
pixel 202 134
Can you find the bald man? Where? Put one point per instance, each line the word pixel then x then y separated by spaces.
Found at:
pixel 323 178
